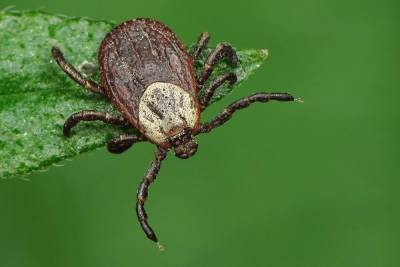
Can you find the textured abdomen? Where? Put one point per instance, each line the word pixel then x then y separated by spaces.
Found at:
pixel 137 54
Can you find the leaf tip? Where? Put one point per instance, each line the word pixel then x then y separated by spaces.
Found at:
pixel 264 53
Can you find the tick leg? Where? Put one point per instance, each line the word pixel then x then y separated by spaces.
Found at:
pixel 142 193
pixel 91 115
pixel 74 73
pixel 123 142
pixel 225 115
pixel 202 42
pixel 209 92
pixel 223 50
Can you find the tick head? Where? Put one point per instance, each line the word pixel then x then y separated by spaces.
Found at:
pixel 184 144
pixel 186 150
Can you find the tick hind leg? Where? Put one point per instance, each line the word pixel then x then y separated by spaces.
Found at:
pixel 209 92
pixel 221 51
pixel 74 73
pixel 91 115
pixel 124 142
pixel 202 42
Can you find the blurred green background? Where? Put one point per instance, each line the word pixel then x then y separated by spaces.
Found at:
pixel 279 185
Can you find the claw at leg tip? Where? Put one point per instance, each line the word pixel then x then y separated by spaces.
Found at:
pixel 160 247
pixel 299 100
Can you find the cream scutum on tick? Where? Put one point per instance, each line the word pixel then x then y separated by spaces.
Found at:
pixel 164 110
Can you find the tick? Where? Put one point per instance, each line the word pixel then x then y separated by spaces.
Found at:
pixel 149 77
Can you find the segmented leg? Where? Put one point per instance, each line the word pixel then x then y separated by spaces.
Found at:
pixel 142 193
pixel 223 50
pixel 202 42
pixel 74 73
pixel 225 115
pixel 209 92
pixel 123 142
pixel 91 115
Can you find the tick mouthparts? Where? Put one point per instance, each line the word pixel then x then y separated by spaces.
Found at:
pixel 299 100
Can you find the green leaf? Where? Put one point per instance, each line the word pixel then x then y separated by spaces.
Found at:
pixel 36 96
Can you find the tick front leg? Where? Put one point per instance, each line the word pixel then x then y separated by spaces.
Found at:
pixel 202 42
pixel 223 50
pixel 123 142
pixel 91 115
pixel 225 115
pixel 142 194
pixel 209 92
pixel 74 73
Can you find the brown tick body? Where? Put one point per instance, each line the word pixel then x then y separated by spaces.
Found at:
pixel 149 77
